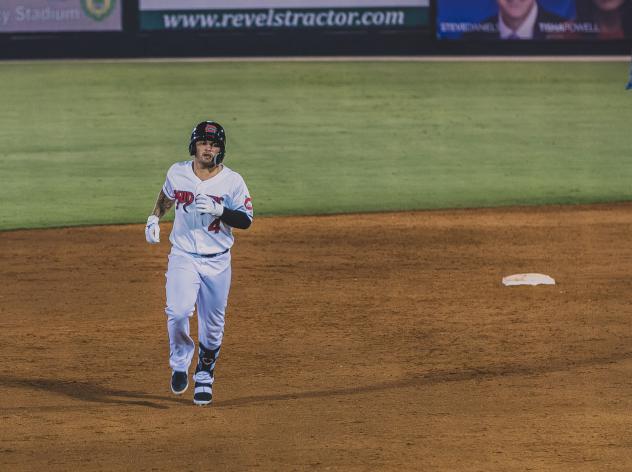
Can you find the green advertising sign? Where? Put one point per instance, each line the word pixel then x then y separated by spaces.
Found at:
pixel 283 14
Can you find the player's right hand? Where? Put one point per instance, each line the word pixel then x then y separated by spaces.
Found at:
pixel 152 230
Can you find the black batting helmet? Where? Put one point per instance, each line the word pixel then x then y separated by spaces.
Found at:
pixel 209 131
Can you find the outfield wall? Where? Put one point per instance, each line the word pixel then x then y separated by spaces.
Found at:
pixel 219 28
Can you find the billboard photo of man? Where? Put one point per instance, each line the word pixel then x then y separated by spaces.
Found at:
pixel 505 19
pixel 518 19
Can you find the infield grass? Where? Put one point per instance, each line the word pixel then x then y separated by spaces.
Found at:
pixel 89 143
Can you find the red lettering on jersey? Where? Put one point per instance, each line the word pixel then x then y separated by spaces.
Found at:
pixel 214 227
pixel 185 198
pixel 248 203
pixel 217 199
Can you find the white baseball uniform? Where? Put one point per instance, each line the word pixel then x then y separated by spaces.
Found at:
pixel 199 268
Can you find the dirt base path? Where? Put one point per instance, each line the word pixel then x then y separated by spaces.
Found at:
pixel 353 343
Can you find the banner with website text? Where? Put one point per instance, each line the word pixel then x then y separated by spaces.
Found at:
pixel 41 16
pixel 534 19
pixel 283 14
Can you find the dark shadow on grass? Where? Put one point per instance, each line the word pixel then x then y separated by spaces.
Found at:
pixel 90 392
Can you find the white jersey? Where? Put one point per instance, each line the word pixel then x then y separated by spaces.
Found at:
pixel 197 233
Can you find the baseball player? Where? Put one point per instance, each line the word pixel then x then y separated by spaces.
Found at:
pixel 210 200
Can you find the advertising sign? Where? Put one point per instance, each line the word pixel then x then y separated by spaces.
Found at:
pixel 59 15
pixel 534 19
pixel 276 14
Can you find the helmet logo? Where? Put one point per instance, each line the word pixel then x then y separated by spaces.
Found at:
pixel 210 129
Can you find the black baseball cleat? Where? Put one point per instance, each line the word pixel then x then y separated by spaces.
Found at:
pixel 203 394
pixel 179 382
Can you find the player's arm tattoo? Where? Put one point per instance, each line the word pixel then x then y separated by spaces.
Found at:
pixel 163 204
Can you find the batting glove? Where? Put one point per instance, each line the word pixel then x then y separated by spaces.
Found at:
pixel 206 204
pixel 152 230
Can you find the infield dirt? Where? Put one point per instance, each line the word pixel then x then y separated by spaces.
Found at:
pixel 353 343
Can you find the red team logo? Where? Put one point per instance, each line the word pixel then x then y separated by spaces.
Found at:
pixel 183 198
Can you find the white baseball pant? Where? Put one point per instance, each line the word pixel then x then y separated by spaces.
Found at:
pixel 195 280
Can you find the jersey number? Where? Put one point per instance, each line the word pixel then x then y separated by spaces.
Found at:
pixel 214 226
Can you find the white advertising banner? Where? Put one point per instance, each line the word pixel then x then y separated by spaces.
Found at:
pixel 59 15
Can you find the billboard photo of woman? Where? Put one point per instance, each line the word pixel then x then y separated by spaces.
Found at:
pixel 605 19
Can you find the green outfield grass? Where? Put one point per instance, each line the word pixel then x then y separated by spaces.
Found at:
pixel 84 143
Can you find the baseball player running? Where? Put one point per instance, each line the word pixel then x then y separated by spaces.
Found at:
pixel 210 200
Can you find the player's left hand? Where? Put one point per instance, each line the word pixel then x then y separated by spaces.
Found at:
pixel 206 204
